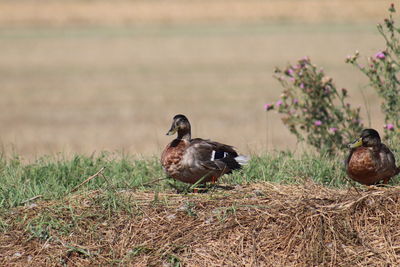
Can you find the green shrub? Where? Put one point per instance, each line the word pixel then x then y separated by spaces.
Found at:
pixel 382 70
pixel 313 109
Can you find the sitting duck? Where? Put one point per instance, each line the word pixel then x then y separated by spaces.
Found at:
pixel 370 161
pixel 197 160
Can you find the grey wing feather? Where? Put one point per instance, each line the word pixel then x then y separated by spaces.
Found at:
pixel 212 145
pixel 200 153
pixel 386 156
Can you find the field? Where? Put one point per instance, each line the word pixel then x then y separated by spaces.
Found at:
pixel 82 77
pixel 88 83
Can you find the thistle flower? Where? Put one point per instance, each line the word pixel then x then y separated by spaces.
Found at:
pixel 333 129
pixel 389 126
pixel 268 106
pixel 318 123
pixel 290 71
pixel 391 8
pixel 380 55
pixel 327 90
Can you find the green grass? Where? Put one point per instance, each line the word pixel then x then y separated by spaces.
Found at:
pixel 285 167
pixel 52 178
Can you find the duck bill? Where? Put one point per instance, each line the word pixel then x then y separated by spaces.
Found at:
pixel 172 130
pixel 356 143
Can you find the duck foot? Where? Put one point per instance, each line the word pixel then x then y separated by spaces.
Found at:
pixel 200 188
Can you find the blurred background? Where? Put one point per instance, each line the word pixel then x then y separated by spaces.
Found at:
pixel 92 75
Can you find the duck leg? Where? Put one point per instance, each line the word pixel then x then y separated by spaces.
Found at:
pixel 201 188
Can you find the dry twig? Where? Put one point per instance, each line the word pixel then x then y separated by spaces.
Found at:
pixel 88 179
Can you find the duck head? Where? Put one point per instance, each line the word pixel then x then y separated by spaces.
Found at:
pixel 368 138
pixel 181 125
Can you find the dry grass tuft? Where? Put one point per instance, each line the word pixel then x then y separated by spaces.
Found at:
pixel 257 225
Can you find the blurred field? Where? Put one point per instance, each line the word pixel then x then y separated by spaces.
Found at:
pixel 122 12
pixel 85 76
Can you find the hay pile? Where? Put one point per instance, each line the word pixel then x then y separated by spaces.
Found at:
pixel 255 225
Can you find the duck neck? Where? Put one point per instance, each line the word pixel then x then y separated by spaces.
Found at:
pixel 377 147
pixel 184 134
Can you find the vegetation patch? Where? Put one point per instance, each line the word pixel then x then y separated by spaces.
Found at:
pixel 53 178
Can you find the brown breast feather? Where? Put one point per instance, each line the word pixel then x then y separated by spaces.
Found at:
pixel 362 167
pixel 172 156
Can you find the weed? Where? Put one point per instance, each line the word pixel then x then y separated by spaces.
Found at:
pixel 312 106
pixel 223 213
pixel 3 225
pixel 174 260
pixel 382 70
pixel 139 250
pixel 111 202
pixel 42 225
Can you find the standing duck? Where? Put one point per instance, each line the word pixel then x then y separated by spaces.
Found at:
pixel 369 160
pixel 197 160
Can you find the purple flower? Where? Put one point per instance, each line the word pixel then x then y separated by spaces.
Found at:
pixel 380 55
pixel 278 103
pixel 268 106
pixel 295 101
pixel 333 129
pixel 291 79
pixel 389 126
pixel 327 90
pixel 318 123
pixel 290 71
pixel 302 85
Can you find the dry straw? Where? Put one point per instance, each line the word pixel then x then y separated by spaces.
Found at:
pixel 255 225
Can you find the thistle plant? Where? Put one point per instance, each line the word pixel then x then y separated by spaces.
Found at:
pixel 382 70
pixel 313 109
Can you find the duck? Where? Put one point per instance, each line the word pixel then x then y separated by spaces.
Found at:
pixel 370 161
pixel 197 160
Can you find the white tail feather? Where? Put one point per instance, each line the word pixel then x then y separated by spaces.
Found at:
pixel 242 159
